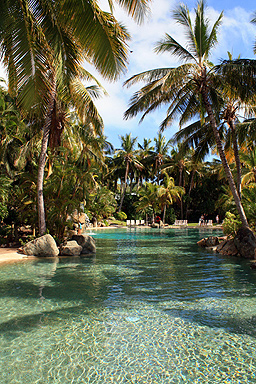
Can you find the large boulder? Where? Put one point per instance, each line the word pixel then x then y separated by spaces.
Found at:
pixel 44 246
pixel 245 243
pixel 228 248
pixel 70 248
pixel 210 241
pixel 86 242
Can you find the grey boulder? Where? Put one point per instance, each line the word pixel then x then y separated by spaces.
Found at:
pixel 70 248
pixel 44 246
pixel 86 242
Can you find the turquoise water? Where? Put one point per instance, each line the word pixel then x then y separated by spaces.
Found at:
pixel 151 307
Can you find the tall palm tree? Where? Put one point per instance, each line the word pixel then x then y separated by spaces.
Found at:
pixel 43 43
pixel 145 152
pixel 127 155
pixel 159 155
pixel 168 193
pixel 149 198
pixel 189 89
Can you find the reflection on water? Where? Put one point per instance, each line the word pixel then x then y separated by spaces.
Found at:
pixel 151 307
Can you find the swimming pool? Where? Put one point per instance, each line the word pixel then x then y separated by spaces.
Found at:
pixel 150 307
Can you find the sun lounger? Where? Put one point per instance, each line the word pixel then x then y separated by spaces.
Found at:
pixel 181 222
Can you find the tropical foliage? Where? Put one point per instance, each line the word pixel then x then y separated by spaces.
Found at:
pixel 195 89
pixel 54 157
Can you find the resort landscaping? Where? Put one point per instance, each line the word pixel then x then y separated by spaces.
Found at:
pixel 56 163
pixel 135 263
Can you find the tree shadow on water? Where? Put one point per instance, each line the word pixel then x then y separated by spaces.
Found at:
pixel 25 323
pixel 216 320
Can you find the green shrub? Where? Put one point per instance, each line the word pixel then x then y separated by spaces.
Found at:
pixel 231 224
pixel 121 216
pixel 105 222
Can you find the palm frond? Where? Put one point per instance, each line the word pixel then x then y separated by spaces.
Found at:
pixel 102 37
pixel 168 44
pixel 138 9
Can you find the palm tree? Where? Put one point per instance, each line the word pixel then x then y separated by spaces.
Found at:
pixel 189 89
pixel 249 162
pixel 159 155
pixel 144 156
pixel 149 198
pixel 127 156
pixel 168 193
pixel 43 44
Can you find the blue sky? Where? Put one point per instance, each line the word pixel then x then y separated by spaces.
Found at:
pixel 236 35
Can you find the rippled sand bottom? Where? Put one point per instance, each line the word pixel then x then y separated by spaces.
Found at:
pixel 135 344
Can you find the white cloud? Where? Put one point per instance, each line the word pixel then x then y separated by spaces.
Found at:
pixel 237 35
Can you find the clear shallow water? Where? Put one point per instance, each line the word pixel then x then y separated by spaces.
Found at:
pixel 151 307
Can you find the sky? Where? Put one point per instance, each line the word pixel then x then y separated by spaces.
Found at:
pixel 236 35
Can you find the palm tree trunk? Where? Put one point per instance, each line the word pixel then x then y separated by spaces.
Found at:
pixel 164 213
pixel 189 192
pixel 237 157
pixel 223 157
pixel 42 160
pixel 125 185
pixel 180 185
pixel 40 181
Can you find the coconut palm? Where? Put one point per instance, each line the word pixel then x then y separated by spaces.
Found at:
pixel 189 89
pixel 149 199
pixel 127 156
pixel 159 155
pixel 43 44
pixel 168 193
pixel 144 156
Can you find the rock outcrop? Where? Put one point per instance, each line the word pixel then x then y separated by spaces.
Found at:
pixel 210 241
pixel 70 248
pixel 44 246
pixel 86 242
pixel 243 244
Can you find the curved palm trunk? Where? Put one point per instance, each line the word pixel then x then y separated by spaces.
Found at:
pixel 42 160
pixel 40 181
pixel 237 157
pixel 223 157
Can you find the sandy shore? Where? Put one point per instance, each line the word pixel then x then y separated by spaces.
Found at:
pixel 11 255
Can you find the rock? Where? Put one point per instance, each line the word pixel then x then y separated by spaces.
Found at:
pixel 44 246
pixel 221 245
pixel 245 243
pixel 87 243
pixel 94 222
pixel 70 248
pixel 228 248
pixel 207 242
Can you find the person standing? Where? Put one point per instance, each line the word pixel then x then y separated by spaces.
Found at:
pixel 79 231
